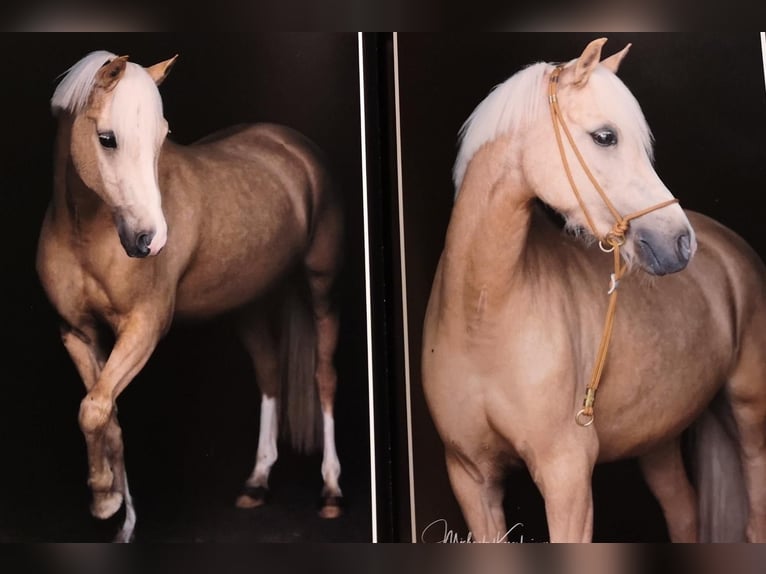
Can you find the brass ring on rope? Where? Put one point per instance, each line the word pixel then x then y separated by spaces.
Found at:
pixel 582 416
pixel 615 240
pixel 604 249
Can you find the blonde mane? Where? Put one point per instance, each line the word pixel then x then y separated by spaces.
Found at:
pixel 73 91
pixel 519 101
pixel 508 107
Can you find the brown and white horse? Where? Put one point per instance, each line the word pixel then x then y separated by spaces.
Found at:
pixel 517 310
pixel 141 230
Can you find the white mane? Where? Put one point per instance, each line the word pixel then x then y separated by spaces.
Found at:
pixel 73 91
pixel 520 100
pixel 507 108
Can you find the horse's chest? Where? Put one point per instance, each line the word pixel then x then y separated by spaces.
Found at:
pixel 70 289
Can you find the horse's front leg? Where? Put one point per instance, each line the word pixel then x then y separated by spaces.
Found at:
pixel 137 336
pixel 479 492
pixel 88 355
pixel 563 472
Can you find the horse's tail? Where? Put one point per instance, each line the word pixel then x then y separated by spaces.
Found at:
pixel 717 471
pixel 300 412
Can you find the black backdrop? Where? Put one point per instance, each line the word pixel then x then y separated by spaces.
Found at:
pixel 704 98
pixel 190 419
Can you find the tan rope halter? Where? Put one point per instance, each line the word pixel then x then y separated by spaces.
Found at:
pixel 615 238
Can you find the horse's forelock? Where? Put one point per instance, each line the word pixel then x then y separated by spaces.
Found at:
pixel 135 91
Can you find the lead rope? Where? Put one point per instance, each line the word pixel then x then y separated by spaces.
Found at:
pixel 615 238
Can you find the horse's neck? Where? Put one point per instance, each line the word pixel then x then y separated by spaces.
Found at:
pixel 73 202
pixel 489 230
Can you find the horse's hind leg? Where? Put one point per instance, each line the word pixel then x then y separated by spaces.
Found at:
pixel 747 391
pixel 89 357
pixel 322 261
pixel 259 340
pixel 326 377
pixel 666 477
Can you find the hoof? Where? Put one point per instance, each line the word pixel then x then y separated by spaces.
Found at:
pixel 105 504
pixel 331 507
pixel 112 529
pixel 124 536
pixel 126 531
pixel 253 497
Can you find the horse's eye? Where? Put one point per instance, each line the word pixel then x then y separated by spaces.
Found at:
pixel 604 137
pixel 107 140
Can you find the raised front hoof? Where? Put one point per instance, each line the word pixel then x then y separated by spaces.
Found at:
pixel 105 504
pixel 331 506
pixel 253 497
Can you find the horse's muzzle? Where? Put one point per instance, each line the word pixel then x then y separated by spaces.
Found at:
pixel 660 255
pixel 135 243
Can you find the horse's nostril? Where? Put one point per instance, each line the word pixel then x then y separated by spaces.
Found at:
pixel 684 246
pixel 143 240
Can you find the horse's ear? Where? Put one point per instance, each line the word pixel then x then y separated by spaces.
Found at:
pixel 612 63
pixel 587 62
pixel 160 71
pixel 111 72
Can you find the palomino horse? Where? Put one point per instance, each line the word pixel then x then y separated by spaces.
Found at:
pixel 517 310
pixel 141 230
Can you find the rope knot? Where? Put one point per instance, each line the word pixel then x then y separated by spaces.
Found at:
pixel 616 235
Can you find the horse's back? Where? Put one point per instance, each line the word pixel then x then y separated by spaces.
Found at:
pixel 284 154
pixel 256 141
pixel 732 251
pixel 253 134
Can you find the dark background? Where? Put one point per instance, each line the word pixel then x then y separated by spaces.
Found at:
pixel 703 96
pixel 190 419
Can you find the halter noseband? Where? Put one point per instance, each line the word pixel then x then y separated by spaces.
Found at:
pixel 615 238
